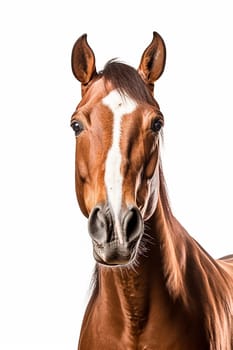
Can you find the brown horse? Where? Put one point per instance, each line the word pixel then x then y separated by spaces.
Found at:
pixel 155 286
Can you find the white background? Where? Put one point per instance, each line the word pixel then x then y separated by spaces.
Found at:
pixel 45 252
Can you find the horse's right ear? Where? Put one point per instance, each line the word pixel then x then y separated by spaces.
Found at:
pixel 83 61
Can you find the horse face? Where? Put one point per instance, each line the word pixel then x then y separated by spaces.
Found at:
pixel 117 152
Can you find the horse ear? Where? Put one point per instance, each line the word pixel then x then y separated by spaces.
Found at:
pixel 83 61
pixel 153 60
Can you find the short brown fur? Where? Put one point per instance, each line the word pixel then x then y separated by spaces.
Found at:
pixel 173 295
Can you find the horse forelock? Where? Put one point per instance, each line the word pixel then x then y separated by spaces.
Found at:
pixel 127 81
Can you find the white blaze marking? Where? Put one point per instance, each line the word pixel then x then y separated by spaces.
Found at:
pixel 120 106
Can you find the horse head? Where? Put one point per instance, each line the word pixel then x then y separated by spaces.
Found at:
pixel 117 125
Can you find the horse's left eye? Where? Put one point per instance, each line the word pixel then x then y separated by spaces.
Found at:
pixel 77 127
pixel 156 125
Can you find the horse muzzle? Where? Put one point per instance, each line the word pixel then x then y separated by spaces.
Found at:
pixel 115 240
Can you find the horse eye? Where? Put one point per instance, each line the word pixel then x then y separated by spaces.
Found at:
pixel 156 125
pixel 77 127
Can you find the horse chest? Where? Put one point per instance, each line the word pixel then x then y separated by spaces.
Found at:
pixel 110 340
pixel 107 328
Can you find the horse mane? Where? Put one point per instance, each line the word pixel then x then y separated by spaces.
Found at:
pixel 127 80
pixel 195 278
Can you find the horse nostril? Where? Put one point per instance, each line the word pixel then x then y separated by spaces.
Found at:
pixel 96 223
pixel 132 224
pixel 99 224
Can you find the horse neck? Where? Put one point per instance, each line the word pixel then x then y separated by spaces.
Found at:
pixel 135 289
